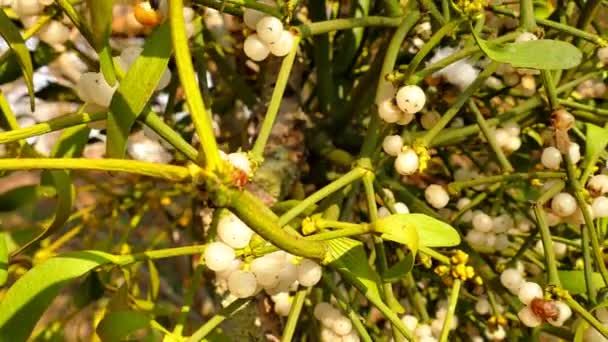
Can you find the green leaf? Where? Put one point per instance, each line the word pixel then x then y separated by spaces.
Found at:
pixel 28 298
pixel 22 196
pixel 395 228
pixel 136 89
pixel 431 232
pixel 154 280
pixel 3 259
pixel 117 325
pixel 70 144
pixel 543 54
pixel 399 270
pixel 596 141
pixel 11 34
pixel 574 281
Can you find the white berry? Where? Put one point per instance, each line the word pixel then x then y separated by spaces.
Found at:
pixel 410 99
pixel 267 268
pixel 512 279
pixel 564 313
pixel 482 222
pixel 255 48
pixel 401 208
pixel 323 310
pixel 598 185
pixel 599 207
pixel 410 322
pixel 529 291
pixel 54 33
pixel 388 111
pixel 551 158
pixel 482 306
pixel 406 162
pixel 284 45
pixel 574 151
pixel 602 54
pixel 269 29
pixel 218 256
pixel 309 273
pixel 563 204
pixel 233 232
pixel 529 318
pixel 525 37
pixel 392 145
pixel 242 284
pixel 429 119
pixel 27 8
pixel 342 326
pixel 92 87
pixel 436 196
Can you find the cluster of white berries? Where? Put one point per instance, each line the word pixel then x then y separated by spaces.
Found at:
pixel 93 89
pixel 551 157
pixel 489 233
pixel 507 137
pixel 54 33
pixel 460 73
pixel 598 187
pixel 406 161
pixel 270 36
pixel 401 105
pixel 276 273
pixel 400 208
pixel 537 309
pixel 430 332
pixel 335 326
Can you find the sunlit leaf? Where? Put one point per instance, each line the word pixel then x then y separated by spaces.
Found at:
pixel 543 54
pixel 28 298
pixel 574 281
pixel 398 229
pixel 431 232
pixel 11 34
pixel 117 325
pixel 136 88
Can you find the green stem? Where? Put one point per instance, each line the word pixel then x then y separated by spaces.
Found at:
pixel 490 137
pixel 429 5
pixel 200 116
pixel 275 102
pixel 435 255
pixel 188 300
pixel 50 126
pixel 265 222
pixel 588 13
pixel 165 131
pixel 294 315
pixel 590 108
pixel 168 172
pixel 455 187
pixel 345 232
pixel 214 321
pixel 550 88
pixel 445 331
pixel 320 194
pixel 545 233
pixel 370 195
pixel 327 26
pixel 123 260
pixel 526 15
pixel 392 8
pixel 460 101
pixel 323 223
pixel 588 267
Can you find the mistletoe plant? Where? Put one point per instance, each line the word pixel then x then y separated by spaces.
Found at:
pixel 348 166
